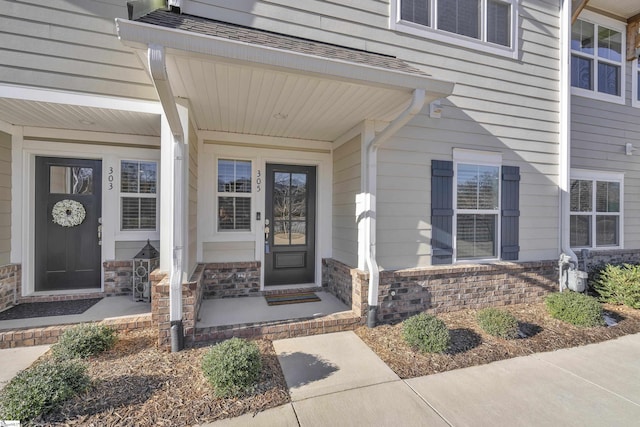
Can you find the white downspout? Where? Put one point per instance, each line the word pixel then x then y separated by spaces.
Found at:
pixel 157 67
pixel 567 257
pixel 417 103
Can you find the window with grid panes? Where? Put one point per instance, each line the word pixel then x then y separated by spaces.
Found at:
pixel 597 65
pixel 138 195
pixel 488 21
pixel 477 211
pixel 595 213
pixel 234 195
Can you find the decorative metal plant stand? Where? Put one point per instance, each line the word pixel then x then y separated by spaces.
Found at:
pixel 144 263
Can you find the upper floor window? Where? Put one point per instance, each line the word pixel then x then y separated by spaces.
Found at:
pixel 485 24
pixel 138 195
pixel 597 63
pixel 234 195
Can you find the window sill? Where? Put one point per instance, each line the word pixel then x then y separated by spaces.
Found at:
pixel 454 39
pixel 597 96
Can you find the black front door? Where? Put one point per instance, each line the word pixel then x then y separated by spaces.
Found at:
pixel 67 217
pixel 290 222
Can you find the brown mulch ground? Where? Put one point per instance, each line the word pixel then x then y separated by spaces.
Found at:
pixel 135 384
pixel 471 346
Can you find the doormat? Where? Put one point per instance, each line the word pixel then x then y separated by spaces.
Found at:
pixel 292 298
pixel 45 309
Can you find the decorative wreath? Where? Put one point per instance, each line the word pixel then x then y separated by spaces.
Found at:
pixel 68 213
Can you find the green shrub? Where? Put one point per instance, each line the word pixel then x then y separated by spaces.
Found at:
pixel 619 284
pixel 498 323
pixel 232 367
pixel 575 308
pixel 426 333
pixel 84 340
pixel 42 388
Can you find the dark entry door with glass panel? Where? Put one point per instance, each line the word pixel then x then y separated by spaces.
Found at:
pixel 67 219
pixel 290 224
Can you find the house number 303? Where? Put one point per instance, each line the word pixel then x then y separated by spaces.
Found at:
pixel 110 178
pixel 258 181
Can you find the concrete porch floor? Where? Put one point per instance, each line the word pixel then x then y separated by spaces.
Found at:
pixel 238 311
pixel 107 308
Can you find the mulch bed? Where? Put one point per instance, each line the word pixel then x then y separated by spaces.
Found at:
pixel 471 346
pixel 135 384
pixel 45 309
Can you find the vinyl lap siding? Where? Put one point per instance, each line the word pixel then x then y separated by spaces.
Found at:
pixel 69 46
pixel 5 198
pixel 599 132
pixel 193 199
pixel 499 104
pixel 346 185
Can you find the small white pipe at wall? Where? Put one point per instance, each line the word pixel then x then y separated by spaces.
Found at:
pixel 157 67
pixel 416 105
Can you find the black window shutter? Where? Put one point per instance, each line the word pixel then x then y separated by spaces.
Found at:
pixel 510 213
pixel 441 212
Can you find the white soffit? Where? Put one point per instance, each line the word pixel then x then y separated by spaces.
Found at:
pixel 64 116
pixel 243 88
pixel 623 8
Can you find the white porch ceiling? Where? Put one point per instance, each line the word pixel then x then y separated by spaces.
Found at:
pixel 75 117
pixel 622 8
pixel 247 99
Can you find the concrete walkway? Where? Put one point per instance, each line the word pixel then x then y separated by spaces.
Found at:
pixel 335 379
pixel 14 360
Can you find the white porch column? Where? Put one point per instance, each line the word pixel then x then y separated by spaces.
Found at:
pixel 173 209
pixel 17 194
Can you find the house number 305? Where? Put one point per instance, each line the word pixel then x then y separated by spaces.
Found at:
pixel 258 181
pixel 110 178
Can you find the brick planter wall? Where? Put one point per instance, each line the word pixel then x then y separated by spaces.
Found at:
pixel 191 301
pixel 49 334
pixel 229 280
pixel 9 289
pixel 117 278
pixel 345 283
pixel 596 259
pixel 403 293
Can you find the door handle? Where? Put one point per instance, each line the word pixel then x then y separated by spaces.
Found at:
pixel 100 235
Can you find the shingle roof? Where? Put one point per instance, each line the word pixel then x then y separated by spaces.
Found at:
pixel 210 27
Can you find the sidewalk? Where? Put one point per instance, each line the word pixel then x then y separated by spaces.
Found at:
pixel 14 360
pixel 335 379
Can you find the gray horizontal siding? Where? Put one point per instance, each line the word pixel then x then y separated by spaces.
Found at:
pixel 599 132
pixel 5 198
pixel 346 185
pixel 499 104
pixel 69 46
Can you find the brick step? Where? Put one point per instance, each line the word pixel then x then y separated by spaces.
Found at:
pixel 338 322
pixel 266 292
pixel 49 334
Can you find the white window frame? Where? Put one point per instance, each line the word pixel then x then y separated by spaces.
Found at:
pixel 481 158
pixel 594 176
pixel 250 196
pixel 599 20
pixel 121 195
pixel 431 31
pixel 635 77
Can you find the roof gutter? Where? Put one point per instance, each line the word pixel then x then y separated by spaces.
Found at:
pixel 370 189
pixel 158 70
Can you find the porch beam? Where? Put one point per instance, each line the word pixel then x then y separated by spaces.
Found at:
pixel 53 96
pixel 633 37
pixel 576 8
